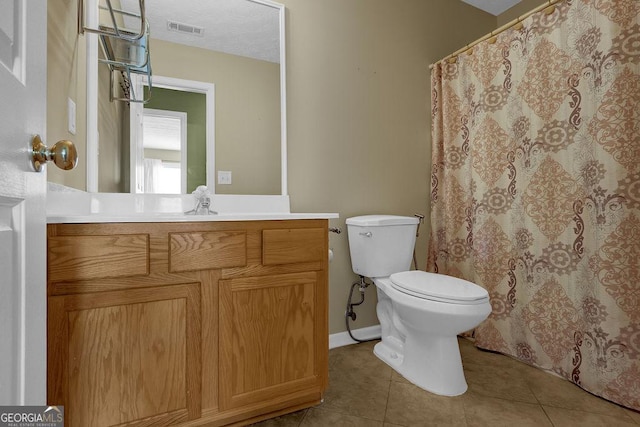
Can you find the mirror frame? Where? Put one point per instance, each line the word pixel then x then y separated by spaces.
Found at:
pixel 92 47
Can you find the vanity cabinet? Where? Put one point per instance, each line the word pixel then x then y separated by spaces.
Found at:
pixel 187 323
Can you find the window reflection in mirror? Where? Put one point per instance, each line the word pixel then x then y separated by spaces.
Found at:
pixel 193 107
pixel 164 145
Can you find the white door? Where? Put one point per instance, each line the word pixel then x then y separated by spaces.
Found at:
pixel 23 309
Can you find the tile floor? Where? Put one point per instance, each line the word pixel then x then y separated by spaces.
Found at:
pixel 363 391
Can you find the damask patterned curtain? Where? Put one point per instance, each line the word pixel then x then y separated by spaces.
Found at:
pixel 536 190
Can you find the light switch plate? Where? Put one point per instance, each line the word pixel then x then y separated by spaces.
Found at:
pixel 71 116
pixel 224 177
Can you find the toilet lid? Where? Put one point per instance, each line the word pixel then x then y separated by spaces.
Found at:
pixel 438 287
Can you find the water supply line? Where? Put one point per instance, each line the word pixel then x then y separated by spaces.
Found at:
pixel 350 314
pixel 420 221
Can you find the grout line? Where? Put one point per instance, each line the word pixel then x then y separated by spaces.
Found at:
pixel 304 416
pixel 545 413
pixel 464 410
pixel 386 406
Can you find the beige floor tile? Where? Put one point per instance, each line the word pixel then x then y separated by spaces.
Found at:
pixel 635 415
pixel 381 369
pixel 496 380
pixel 363 390
pixel 569 418
pixel 554 391
pixel 398 378
pixel 359 360
pixel 367 345
pixel 411 406
pixel 322 418
pixel 364 346
pixel 470 353
pixel 289 420
pixel 357 393
pixel 482 411
pixel 358 382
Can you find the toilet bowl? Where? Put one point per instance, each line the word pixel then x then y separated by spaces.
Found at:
pixel 424 346
pixel 420 313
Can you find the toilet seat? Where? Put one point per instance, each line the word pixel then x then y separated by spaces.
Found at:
pixel 438 287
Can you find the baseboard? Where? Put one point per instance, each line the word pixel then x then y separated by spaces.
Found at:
pixel 342 338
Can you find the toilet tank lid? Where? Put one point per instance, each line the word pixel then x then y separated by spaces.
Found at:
pixel 381 220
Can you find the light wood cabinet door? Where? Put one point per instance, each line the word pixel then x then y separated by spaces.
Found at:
pixel 128 357
pixel 272 337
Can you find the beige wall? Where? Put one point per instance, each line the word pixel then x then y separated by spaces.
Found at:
pixel 359 114
pixel 111 140
pixel 518 10
pixel 66 76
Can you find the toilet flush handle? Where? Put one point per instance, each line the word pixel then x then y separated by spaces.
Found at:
pixel 367 234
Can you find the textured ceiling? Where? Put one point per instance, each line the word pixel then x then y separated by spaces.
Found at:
pixel 494 7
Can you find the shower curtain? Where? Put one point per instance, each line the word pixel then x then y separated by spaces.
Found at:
pixel 536 190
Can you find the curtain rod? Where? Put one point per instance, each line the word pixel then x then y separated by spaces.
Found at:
pixel 548 8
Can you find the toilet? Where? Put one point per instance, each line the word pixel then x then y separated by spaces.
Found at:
pixel 420 313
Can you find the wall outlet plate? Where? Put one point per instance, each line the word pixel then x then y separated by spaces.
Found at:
pixel 224 177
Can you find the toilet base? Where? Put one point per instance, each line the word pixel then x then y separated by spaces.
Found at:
pixel 436 365
pixel 388 355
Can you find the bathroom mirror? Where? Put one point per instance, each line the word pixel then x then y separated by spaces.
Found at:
pixel 234 47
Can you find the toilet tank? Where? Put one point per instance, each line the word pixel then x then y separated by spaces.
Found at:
pixel 381 245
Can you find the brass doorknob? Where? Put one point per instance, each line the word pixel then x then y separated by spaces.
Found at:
pixel 63 153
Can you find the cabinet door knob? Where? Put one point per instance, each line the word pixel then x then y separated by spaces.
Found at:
pixel 63 154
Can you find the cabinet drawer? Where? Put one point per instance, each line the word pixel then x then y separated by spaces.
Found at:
pixel 284 246
pixel 207 250
pixel 96 257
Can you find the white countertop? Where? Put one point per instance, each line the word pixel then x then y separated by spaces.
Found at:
pixel 81 207
pixel 168 217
